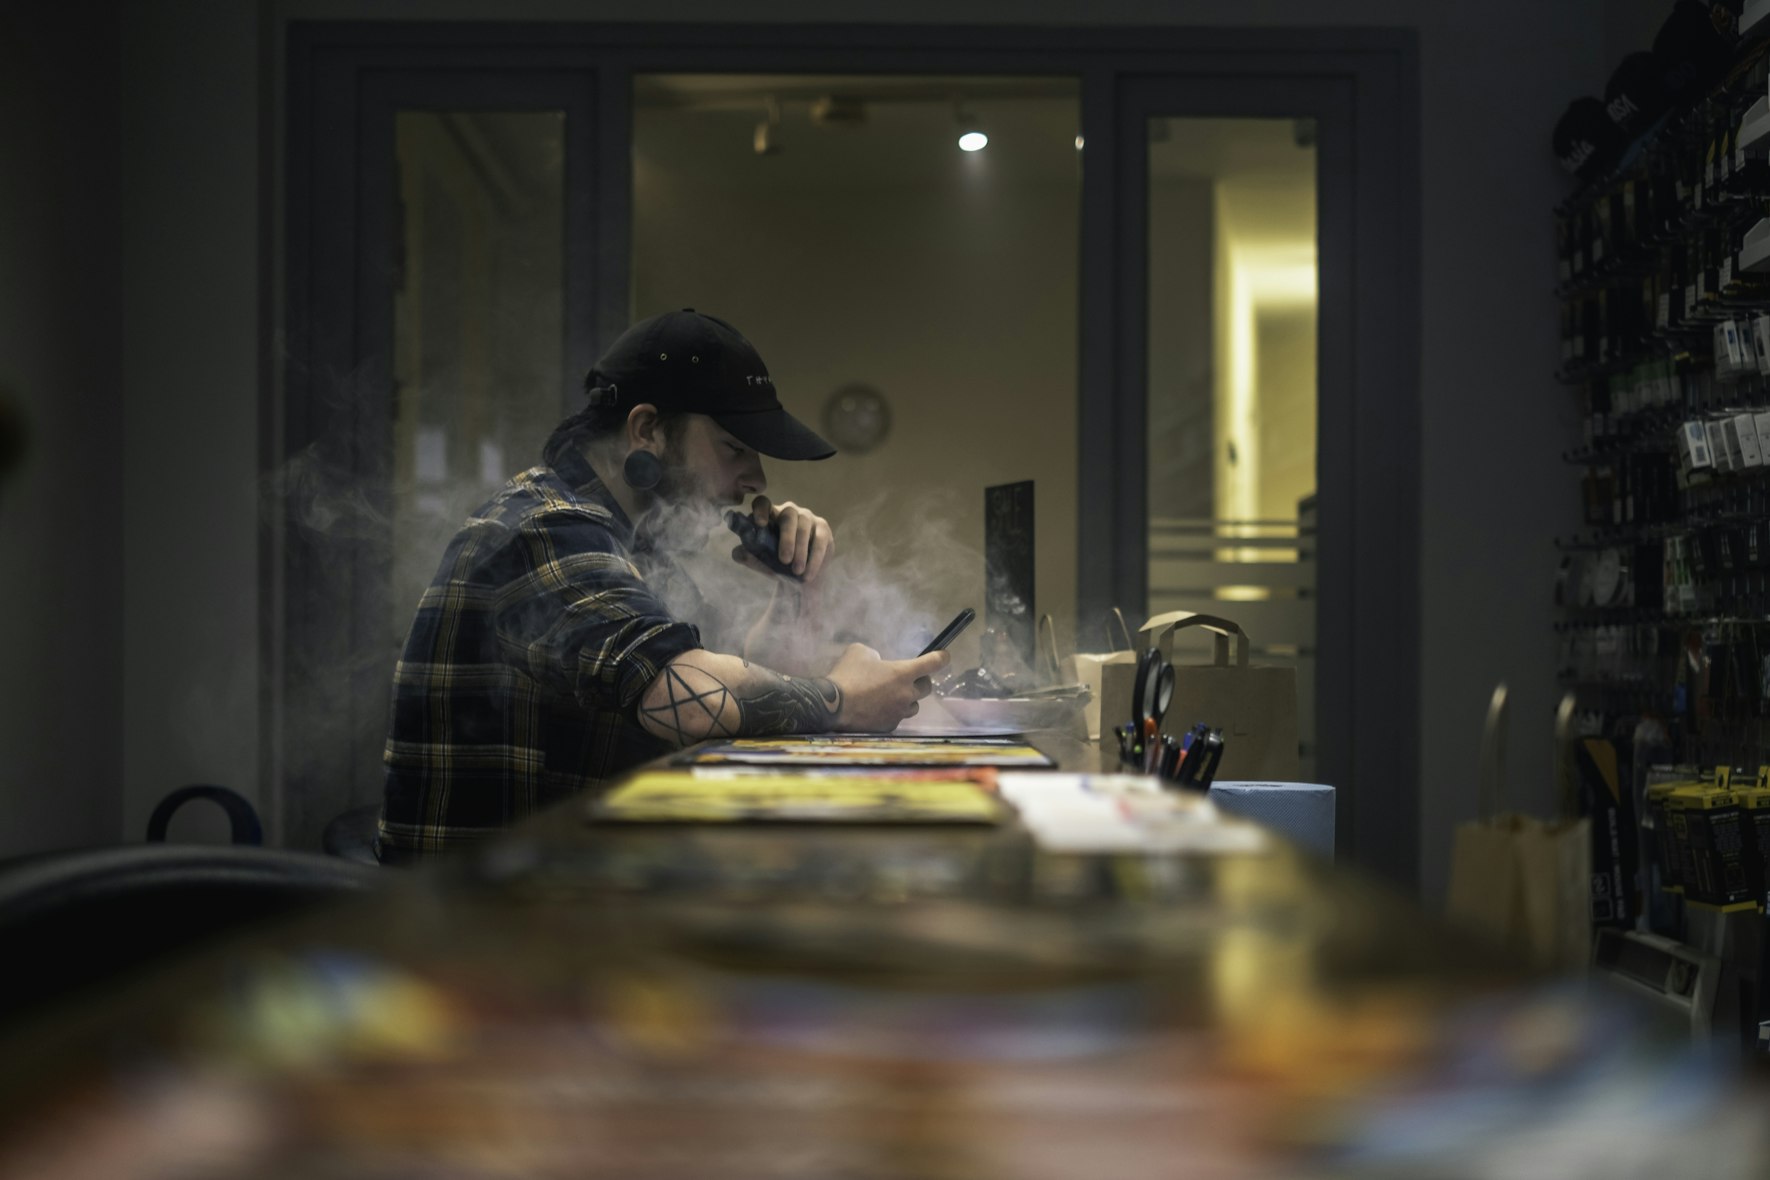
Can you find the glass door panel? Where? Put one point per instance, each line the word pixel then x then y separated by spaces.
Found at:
pixel 479 321
pixel 915 301
pixel 442 269
pixel 1231 396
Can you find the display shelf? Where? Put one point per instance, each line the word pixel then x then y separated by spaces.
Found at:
pixel 1754 20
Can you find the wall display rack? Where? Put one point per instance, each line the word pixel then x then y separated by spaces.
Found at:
pixel 1663 593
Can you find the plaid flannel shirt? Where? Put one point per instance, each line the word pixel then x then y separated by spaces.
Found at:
pixel 521 676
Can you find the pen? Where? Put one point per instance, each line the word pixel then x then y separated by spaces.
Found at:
pixel 1170 756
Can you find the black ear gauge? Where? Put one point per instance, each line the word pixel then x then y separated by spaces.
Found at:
pixel 643 471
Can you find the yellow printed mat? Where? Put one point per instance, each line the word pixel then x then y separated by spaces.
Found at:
pixel 678 797
pixel 847 750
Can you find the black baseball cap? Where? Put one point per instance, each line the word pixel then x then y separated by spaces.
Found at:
pixel 688 362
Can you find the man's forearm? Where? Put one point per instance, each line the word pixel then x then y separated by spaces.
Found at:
pixel 703 694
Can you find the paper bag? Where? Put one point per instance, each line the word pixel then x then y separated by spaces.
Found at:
pixel 1090 668
pixel 1525 881
pixel 1255 706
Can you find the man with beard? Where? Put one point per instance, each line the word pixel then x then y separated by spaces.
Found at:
pixel 543 662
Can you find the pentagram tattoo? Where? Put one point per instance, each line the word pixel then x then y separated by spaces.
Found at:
pixel 692 709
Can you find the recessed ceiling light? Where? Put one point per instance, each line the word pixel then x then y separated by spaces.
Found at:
pixel 972 137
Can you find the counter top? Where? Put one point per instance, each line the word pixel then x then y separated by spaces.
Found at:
pixel 589 999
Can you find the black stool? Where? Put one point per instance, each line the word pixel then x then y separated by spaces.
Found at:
pixel 242 818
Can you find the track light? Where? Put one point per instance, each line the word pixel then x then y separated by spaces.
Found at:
pixel 764 139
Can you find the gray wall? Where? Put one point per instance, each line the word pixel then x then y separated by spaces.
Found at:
pixel 61 521
pixel 1495 75
pixel 191 388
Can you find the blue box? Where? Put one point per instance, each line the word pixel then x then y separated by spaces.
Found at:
pixel 1301 812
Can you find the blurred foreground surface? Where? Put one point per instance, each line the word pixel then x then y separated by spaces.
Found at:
pixel 777 1001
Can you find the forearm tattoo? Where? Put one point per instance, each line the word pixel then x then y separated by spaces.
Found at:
pixel 687 704
pixel 791 705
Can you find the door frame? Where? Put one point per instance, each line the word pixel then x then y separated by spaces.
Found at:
pixel 1364 84
pixel 1367 446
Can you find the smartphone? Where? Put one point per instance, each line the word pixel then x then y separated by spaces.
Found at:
pixel 960 621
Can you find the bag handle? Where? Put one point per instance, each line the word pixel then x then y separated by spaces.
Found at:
pixel 1566 758
pixel 1048 630
pixel 1123 629
pixel 1221 629
pixel 1492 786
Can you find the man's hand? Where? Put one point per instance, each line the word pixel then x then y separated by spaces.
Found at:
pixel 877 694
pixel 807 541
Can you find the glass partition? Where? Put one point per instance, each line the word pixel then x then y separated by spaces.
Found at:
pixel 1232 384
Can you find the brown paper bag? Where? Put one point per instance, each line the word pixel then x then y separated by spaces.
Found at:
pixel 1255 706
pixel 1523 880
pixel 1090 668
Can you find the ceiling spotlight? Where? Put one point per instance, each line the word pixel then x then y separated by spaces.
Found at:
pixel 972 137
pixel 764 140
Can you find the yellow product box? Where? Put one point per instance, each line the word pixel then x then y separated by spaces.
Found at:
pixel 1680 802
pixel 1671 878
pixel 1714 836
pixel 1755 802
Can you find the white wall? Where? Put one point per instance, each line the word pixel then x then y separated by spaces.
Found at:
pixel 1494 77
